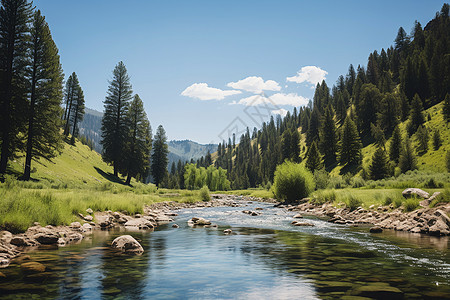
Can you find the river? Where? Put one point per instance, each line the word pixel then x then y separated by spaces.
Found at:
pixel 265 258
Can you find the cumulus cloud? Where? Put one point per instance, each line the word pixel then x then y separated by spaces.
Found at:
pixel 311 74
pixel 282 112
pixel 276 99
pixel 255 85
pixel 203 92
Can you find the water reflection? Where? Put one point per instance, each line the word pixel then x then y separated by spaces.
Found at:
pixel 265 258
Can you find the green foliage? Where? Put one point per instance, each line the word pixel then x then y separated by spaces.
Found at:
pixel 138 142
pixel 410 204
pixel 379 166
pixel 422 138
pixel 397 202
pixel 407 160
pixel 196 178
pixel 292 182
pixel 43 136
pixel 350 144
pixel 204 194
pixel 321 178
pixel 447 161
pixel 353 202
pixel 321 197
pixel 417 118
pixel 328 136
pixel 446 109
pixel 437 140
pixel 369 104
pixel 314 159
pixel 114 122
pixel 395 145
pixel 444 197
pixel 15 17
pixel 159 156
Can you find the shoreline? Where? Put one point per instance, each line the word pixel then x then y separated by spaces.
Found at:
pixel 429 221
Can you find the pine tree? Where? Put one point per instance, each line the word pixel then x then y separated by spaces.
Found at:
pixel 114 125
pixel 78 112
pixel 407 160
pixel 368 106
pixel 395 146
pixel 417 117
pixel 295 146
pixel 446 109
pixel 388 115
pixel 138 141
pixel 422 138
pixel 313 127
pixel 437 140
pixel 313 158
pixel 208 159
pixel 159 156
pixel 15 16
pixel 350 144
pixel 74 105
pixel 43 137
pixel 379 167
pixel 328 136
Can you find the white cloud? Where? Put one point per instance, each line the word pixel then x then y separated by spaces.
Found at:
pixel 203 92
pixel 282 112
pixel 311 74
pixel 255 85
pixel 276 99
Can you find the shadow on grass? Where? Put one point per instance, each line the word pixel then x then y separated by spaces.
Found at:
pixel 109 176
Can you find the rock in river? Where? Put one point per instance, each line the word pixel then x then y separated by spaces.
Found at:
pixel 32 267
pixel 127 244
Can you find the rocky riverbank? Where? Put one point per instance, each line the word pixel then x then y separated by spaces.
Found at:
pixel 433 221
pixel 13 245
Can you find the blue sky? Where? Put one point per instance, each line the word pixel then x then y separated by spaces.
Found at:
pixel 190 61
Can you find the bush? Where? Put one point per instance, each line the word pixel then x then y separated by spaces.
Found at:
pixel 321 197
pixel 321 178
pixel 204 194
pixel 432 183
pixel 358 182
pixel 410 204
pixel 336 183
pixel 353 202
pixel 444 197
pixel 292 182
pixel 397 202
pixel 387 201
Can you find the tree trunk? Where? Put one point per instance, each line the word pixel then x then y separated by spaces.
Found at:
pixel 66 128
pixel 27 171
pixel 128 179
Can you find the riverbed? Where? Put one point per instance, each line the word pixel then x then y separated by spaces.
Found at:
pixel 264 258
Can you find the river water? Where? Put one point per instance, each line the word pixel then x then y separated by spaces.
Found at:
pixel 265 258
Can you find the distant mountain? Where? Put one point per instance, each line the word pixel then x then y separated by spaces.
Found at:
pixel 178 150
pixel 91 126
pixel 186 150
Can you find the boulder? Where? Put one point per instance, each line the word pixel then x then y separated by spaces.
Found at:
pixel 296 223
pixel 228 231
pixel 89 218
pixel 89 211
pixel 175 226
pixel 375 229
pixel 140 223
pixel 75 225
pixel 407 193
pixel 5 236
pixel 32 267
pixel 128 245
pixel 298 216
pixel 46 238
pixel 19 241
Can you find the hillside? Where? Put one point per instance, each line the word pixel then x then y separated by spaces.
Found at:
pixel 186 150
pixel 77 165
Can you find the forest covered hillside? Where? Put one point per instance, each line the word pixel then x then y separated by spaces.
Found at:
pixel 377 121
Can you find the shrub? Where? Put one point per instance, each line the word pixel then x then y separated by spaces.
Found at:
pixel 397 202
pixel 353 202
pixel 292 181
pixel 336 183
pixel 410 204
pixel 444 197
pixel 387 201
pixel 321 178
pixel 358 182
pixel 204 193
pixel 432 183
pixel 321 197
